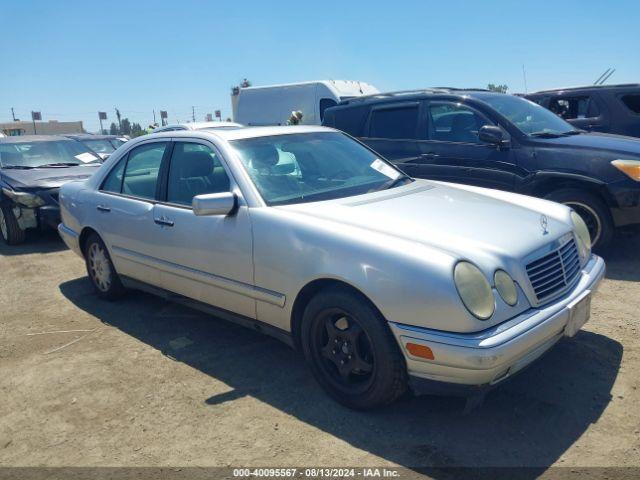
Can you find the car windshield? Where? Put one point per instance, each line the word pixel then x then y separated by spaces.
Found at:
pixel 100 145
pixel 530 118
pixel 307 167
pixel 40 153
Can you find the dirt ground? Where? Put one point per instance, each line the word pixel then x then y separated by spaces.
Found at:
pixel 143 382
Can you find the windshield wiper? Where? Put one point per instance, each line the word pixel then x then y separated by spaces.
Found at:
pixel 573 132
pixel 59 164
pixel 397 181
pixel 544 134
pixel 18 167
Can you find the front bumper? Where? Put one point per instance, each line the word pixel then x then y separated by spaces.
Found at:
pixel 485 358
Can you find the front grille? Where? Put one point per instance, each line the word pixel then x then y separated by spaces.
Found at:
pixel 555 272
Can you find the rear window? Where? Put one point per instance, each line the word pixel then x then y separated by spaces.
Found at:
pixel 397 122
pixel 632 102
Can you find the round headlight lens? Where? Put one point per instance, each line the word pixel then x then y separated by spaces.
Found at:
pixel 474 290
pixel 582 233
pixel 506 287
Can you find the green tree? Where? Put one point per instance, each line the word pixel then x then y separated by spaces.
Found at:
pixel 498 88
pixel 126 127
pixel 113 129
pixel 137 130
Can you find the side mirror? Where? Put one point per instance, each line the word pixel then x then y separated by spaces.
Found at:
pixel 214 203
pixel 491 134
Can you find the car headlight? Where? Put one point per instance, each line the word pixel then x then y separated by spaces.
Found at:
pixel 24 198
pixel 506 287
pixel 474 290
pixel 582 232
pixel 631 168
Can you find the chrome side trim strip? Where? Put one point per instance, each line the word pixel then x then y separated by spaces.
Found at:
pixel 235 286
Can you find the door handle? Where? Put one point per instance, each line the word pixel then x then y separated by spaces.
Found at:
pixel 103 208
pixel 430 155
pixel 163 221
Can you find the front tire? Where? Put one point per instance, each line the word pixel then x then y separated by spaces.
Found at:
pixel 102 274
pixel 10 231
pixel 351 350
pixel 593 211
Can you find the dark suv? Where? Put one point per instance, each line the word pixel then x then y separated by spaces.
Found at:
pixel 501 141
pixel 596 108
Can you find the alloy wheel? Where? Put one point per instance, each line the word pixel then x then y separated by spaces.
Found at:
pixel 344 351
pixel 591 219
pixel 99 267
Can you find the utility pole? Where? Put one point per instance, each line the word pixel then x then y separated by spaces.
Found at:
pixel 119 122
pixel 524 74
pixel 13 115
pixel 193 114
pixel 154 116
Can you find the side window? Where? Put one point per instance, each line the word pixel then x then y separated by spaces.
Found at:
pixel 141 173
pixel 632 102
pixel 195 169
pixel 453 122
pixel 113 182
pixel 324 104
pixel 395 123
pixel 571 108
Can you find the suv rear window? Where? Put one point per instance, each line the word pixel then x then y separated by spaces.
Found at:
pixel 632 102
pixel 396 122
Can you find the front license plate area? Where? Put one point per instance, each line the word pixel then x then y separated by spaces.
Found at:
pixel 579 313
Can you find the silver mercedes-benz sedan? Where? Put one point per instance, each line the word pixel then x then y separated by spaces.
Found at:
pixel 382 281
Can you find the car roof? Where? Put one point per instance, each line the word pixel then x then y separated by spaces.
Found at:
pixel 34 138
pixel 89 136
pixel 620 86
pixel 418 94
pixel 242 133
pixel 203 125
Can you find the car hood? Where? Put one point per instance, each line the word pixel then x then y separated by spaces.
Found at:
pixel 618 144
pixel 52 177
pixel 468 222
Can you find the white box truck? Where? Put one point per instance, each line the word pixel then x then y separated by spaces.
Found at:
pixel 274 104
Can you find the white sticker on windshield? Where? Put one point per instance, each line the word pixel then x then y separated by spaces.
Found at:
pixel 86 157
pixel 385 169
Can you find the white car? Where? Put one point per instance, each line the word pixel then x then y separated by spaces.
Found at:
pixel 304 233
pixel 197 126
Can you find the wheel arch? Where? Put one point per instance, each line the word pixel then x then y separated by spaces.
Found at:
pixel 85 233
pixel 310 290
pixel 545 183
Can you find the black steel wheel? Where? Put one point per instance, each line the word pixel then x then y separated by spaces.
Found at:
pixel 351 351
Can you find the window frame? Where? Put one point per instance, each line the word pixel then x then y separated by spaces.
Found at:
pixel 125 159
pixel 396 106
pixel 625 106
pixel 430 126
pixel 591 98
pixel 164 179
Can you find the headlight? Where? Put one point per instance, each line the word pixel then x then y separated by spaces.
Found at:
pixel 630 168
pixel 474 290
pixel 506 287
pixel 24 198
pixel 582 232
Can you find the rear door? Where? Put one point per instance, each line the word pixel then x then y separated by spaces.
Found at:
pixel 124 211
pixel 453 152
pixel 393 130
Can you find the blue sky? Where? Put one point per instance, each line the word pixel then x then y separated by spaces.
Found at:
pixel 70 59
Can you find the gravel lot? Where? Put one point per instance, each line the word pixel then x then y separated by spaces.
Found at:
pixel 143 382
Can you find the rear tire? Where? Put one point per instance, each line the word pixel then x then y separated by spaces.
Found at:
pixel 593 211
pixel 100 269
pixel 10 231
pixel 351 351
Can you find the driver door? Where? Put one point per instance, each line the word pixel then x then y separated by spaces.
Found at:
pixel 208 258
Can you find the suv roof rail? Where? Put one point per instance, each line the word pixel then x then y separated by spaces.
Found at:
pixel 416 91
pixel 588 87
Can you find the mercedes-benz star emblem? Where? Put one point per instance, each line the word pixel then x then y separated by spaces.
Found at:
pixel 544 223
